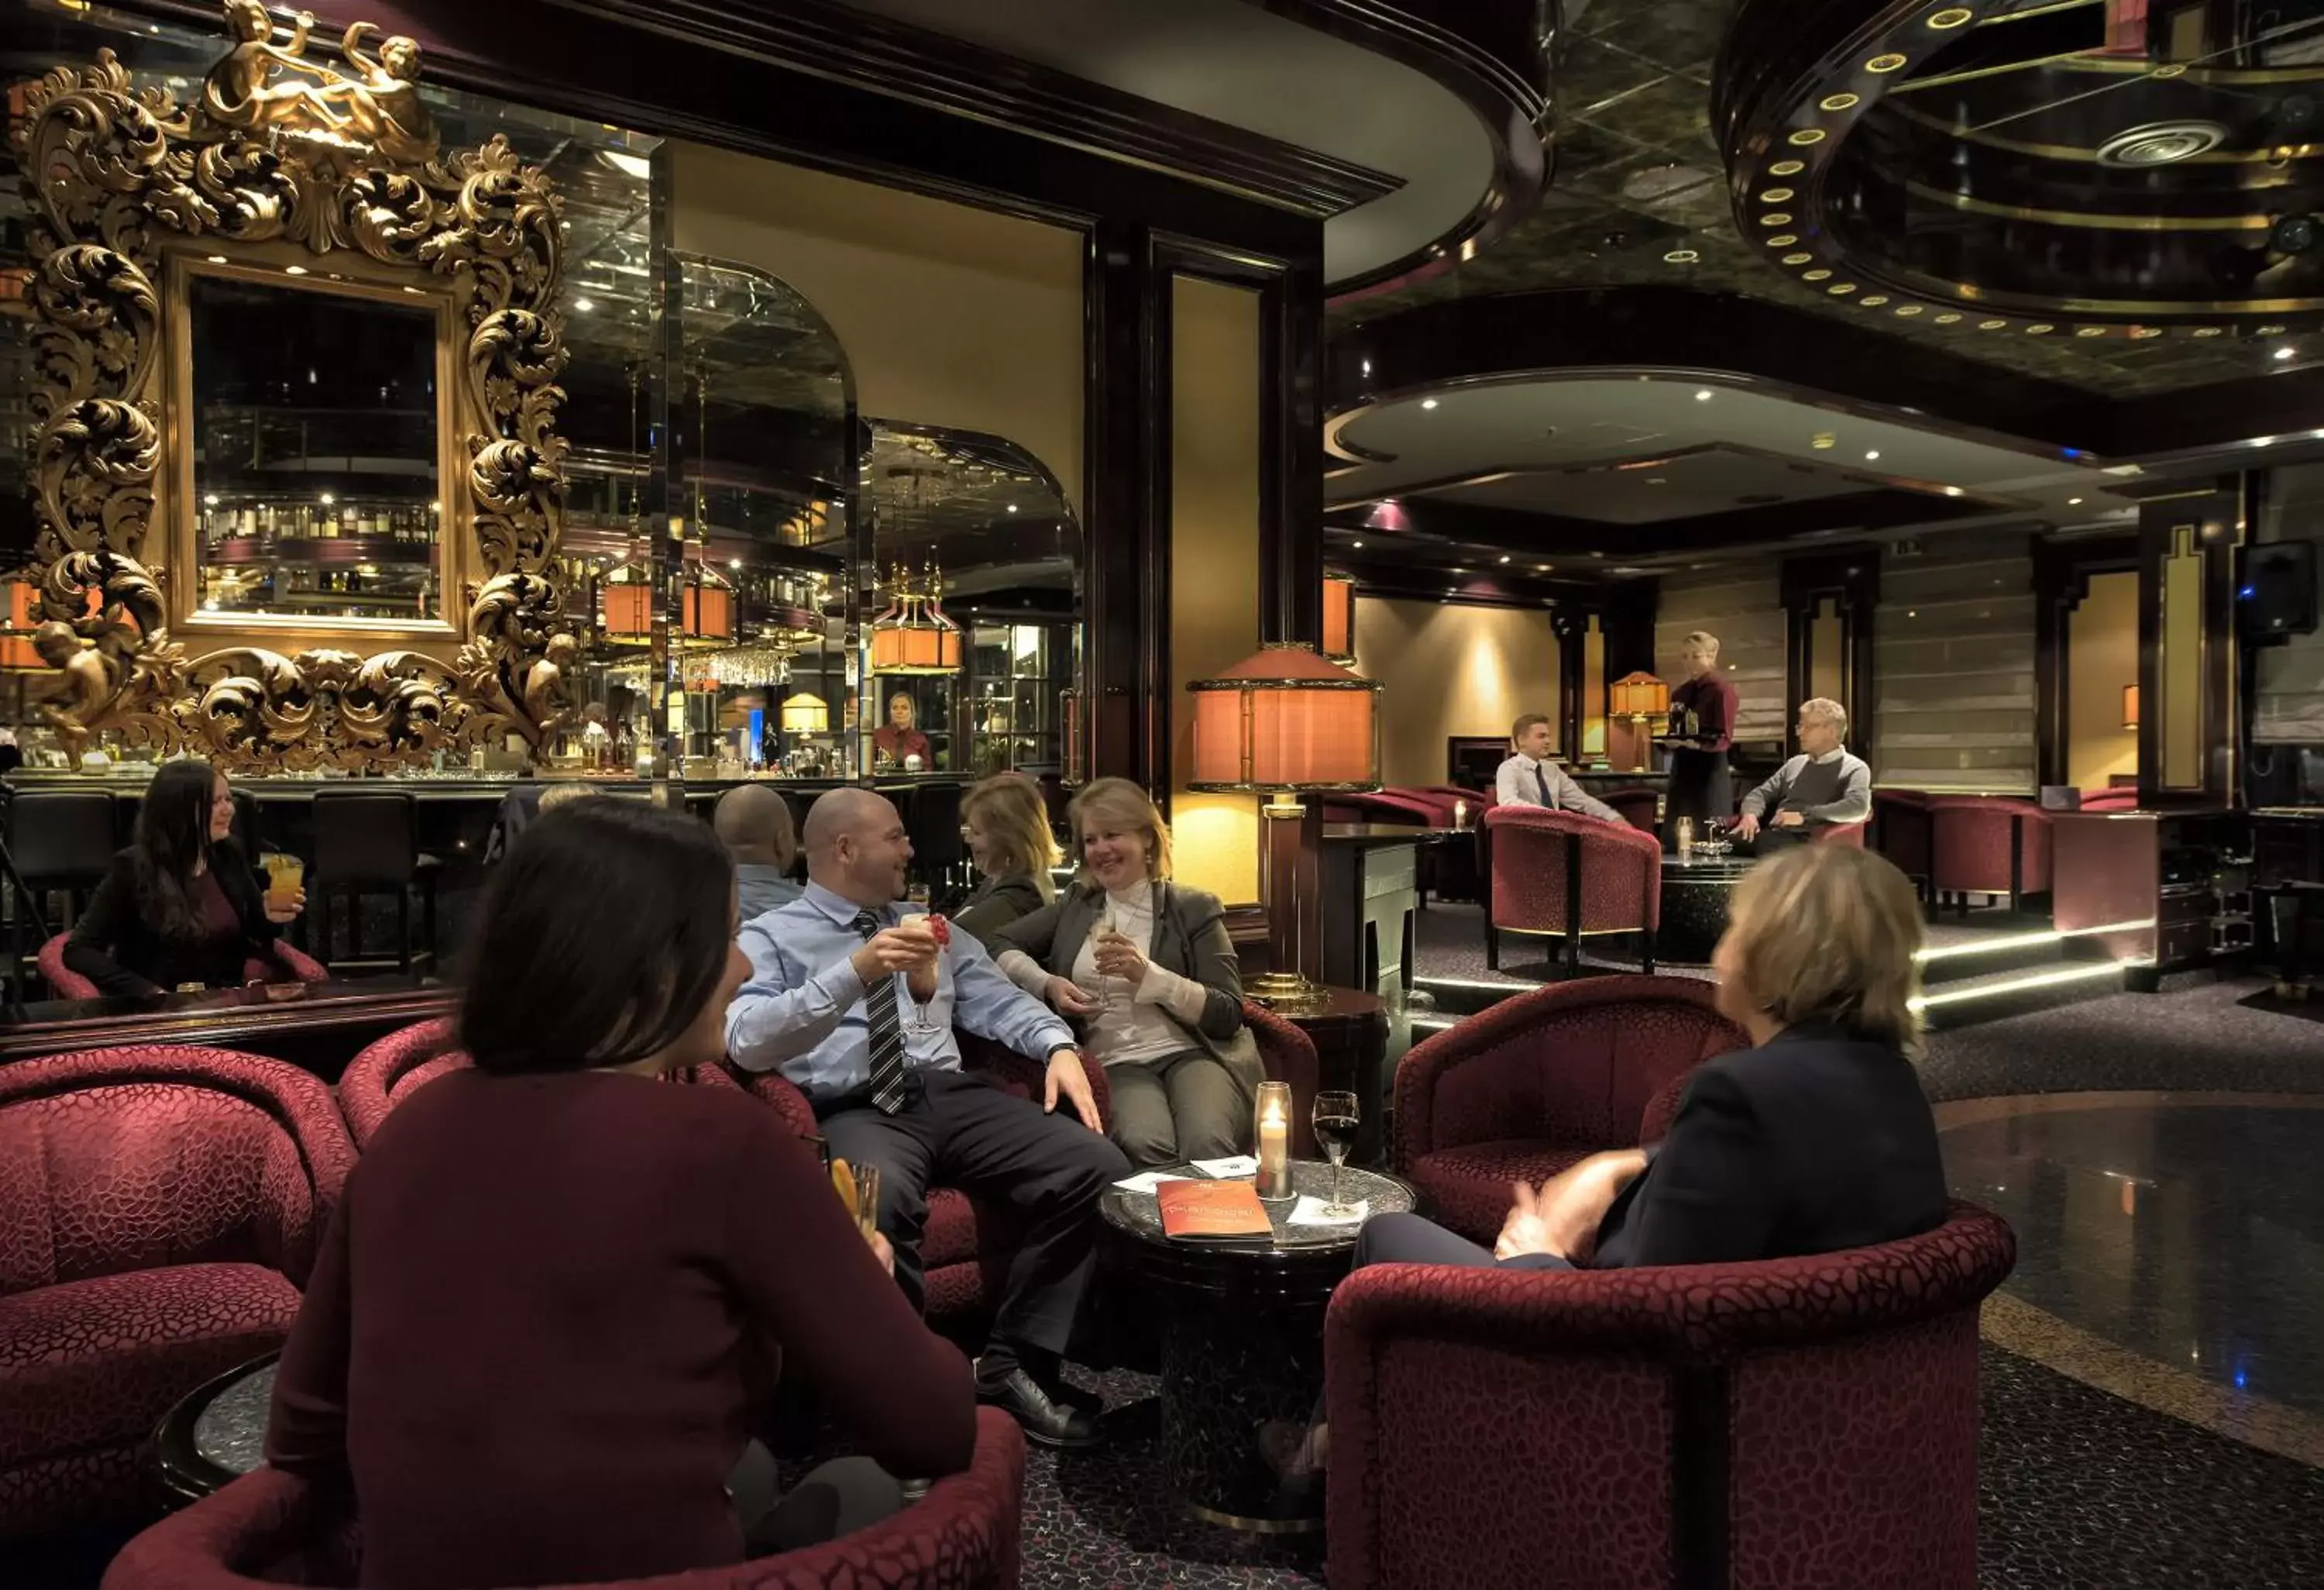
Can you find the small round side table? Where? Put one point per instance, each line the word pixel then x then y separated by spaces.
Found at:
pixel 1243 1340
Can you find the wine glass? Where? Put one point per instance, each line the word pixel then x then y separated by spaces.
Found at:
pixel 1335 1130
pixel 921 1026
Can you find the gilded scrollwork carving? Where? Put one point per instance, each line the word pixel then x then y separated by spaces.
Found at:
pixel 275 149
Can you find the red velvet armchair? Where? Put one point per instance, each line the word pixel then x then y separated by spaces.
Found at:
pixel 1990 845
pixel 1806 1422
pixel 1902 830
pixel 1554 873
pixel 1641 808
pixel 269 1528
pixel 1528 1087
pixel 390 1070
pixel 1386 806
pixel 64 983
pixel 163 1208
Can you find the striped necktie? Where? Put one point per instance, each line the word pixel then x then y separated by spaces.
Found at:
pixel 880 1011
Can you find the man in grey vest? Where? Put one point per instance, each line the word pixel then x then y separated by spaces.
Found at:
pixel 1823 787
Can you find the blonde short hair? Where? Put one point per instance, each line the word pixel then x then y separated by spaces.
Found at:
pixel 1830 933
pixel 1702 640
pixel 1830 711
pixel 1008 807
pixel 1123 807
pixel 564 792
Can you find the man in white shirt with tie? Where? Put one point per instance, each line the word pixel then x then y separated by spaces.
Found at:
pixel 1530 779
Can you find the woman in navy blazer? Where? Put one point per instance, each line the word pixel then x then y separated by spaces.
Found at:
pixel 1816 1137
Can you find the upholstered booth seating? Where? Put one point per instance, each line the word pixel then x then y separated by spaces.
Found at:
pixel 163 1208
pixel 1552 872
pixel 1989 846
pixel 1902 831
pixel 1385 806
pixel 268 1529
pixel 390 1070
pixel 1524 1089
pixel 1807 1422
pixel 2111 799
pixel 1850 834
pixel 64 983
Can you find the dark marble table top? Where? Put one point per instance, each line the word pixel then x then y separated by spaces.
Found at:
pixel 1137 1214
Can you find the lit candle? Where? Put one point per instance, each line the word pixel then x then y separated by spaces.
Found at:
pixel 1274 1141
pixel 1459 814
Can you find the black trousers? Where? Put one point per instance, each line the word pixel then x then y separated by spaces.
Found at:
pixel 1702 786
pixel 835 1499
pixel 1408 1239
pixel 963 1131
pixel 1774 841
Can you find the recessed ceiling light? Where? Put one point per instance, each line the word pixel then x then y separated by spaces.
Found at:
pixel 1505 557
pixel 1703 396
pixel 585 305
pixel 1012 507
pixel 1427 402
pixel 2283 353
pixel 1872 456
pixel 1952 491
pixel 1543 567
pixel 733 563
pixel 2073 502
pixel 1680 256
pixel 1357 545
pixel 294 270
pixel 1823 438
pixel 2261 441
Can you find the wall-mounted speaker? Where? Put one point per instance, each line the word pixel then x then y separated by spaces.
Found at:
pixel 2275 591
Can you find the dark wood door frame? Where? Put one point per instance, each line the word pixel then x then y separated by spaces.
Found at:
pixel 1850 578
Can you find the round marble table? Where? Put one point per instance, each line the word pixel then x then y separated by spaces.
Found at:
pixel 1242 1326
pixel 216 1433
pixel 1694 906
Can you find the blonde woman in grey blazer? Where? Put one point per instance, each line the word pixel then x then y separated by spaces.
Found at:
pixel 1147 971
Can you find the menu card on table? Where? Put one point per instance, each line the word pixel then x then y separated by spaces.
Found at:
pixel 1212 1211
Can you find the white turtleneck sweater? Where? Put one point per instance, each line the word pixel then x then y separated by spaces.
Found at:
pixel 1129 1027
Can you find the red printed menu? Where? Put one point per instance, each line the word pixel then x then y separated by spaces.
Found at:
pixel 1213 1211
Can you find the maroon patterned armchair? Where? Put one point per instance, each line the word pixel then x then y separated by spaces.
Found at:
pixel 163 1206
pixel 1989 846
pixel 1554 873
pixel 1807 1422
pixel 1902 831
pixel 269 1528
pixel 64 983
pixel 390 1070
pixel 1524 1089
pixel 1847 834
pixel 1385 806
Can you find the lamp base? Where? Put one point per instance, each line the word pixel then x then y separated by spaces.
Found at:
pixel 1287 991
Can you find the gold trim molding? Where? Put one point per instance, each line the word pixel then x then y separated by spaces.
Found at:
pixel 284 159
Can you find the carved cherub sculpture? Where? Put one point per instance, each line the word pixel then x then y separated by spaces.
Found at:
pixel 80 689
pixel 241 90
pixel 384 108
pixel 548 685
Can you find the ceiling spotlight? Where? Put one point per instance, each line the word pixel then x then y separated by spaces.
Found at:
pixel 2073 502
pixel 1703 396
pixel 2283 353
pixel 733 563
pixel 1357 545
pixel 1012 507
pixel 1822 439
pixel 1952 491
pixel 1505 557
pixel 1680 256
pixel 1873 456
pixel 583 305
pixel 1427 402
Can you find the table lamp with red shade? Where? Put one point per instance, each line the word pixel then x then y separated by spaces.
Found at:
pixel 1286 722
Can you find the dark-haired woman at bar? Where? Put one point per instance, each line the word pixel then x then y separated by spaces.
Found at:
pixel 558 1288
pixel 181 905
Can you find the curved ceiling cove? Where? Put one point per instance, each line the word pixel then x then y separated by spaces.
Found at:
pixel 1458 129
pixel 2077 170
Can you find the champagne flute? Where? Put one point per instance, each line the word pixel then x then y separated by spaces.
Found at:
pixel 1335 1119
pixel 920 1025
pixel 1105 927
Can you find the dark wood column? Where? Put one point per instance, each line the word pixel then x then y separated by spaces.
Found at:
pixel 2062 580
pixel 1849 577
pixel 1125 493
pixel 2188 682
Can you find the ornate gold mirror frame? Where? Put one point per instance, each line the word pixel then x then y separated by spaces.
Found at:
pixel 283 162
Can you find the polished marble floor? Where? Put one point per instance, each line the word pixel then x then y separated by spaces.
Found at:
pixel 2187 1229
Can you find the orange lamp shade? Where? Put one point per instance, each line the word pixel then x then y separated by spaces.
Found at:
pixel 710 612
pixel 899 647
pixel 629 609
pixel 2130 706
pixel 1339 619
pixel 1285 719
pixel 1638 695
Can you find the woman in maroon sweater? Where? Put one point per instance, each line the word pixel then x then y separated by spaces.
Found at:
pixel 558 1288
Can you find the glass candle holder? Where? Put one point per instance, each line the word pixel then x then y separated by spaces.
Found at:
pixel 1271 1118
pixel 1459 814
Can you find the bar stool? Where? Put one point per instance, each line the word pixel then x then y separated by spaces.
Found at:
pixel 63 841
pixel 368 843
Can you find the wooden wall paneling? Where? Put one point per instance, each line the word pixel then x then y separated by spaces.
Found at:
pixel 1953 706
